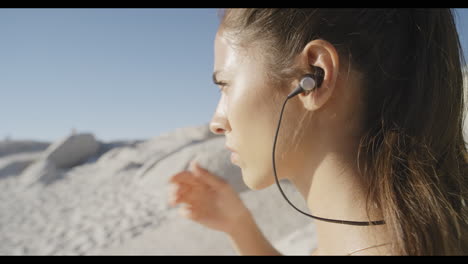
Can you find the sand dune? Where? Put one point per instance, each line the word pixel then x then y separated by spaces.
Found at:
pixel 106 198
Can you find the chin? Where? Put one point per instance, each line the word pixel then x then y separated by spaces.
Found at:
pixel 254 182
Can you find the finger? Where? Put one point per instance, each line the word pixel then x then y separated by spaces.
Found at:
pixel 184 177
pixel 178 191
pixel 178 188
pixel 185 211
pixel 209 178
pixel 178 177
pixel 183 188
pixel 194 196
pixel 174 191
pixel 189 212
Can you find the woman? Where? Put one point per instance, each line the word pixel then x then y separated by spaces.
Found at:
pixel 379 140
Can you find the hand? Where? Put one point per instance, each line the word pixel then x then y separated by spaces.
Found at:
pixel 211 201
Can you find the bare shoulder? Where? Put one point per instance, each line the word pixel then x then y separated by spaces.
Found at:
pixel 384 250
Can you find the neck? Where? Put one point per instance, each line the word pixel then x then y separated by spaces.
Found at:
pixel 335 192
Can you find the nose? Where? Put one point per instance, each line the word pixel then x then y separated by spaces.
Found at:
pixel 218 131
pixel 217 128
pixel 219 124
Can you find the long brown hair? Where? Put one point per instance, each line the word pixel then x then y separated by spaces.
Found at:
pixel 412 155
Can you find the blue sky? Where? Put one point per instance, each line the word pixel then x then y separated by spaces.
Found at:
pixel 118 73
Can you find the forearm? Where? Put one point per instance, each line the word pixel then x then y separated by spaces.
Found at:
pixel 248 239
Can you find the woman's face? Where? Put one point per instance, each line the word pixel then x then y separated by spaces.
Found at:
pixel 247 114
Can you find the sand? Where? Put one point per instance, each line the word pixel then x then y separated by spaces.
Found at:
pixel 111 198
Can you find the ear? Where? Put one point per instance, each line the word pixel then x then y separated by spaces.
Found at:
pixel 320 53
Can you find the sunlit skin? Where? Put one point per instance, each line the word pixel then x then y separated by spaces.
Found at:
pixel 321 163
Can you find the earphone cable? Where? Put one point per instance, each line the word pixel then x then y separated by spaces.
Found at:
pixel 358 223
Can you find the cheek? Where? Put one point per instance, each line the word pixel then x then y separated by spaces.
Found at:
pixel 251 123
pixel 253 126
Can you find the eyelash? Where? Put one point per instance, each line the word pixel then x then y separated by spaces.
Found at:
pixel 221 84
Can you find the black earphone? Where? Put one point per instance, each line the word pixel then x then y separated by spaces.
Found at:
pixel 309 83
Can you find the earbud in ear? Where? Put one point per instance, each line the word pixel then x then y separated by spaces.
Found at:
pixel 309 82
pixel 318 74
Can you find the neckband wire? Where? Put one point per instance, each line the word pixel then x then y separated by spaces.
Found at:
pixel 345 222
